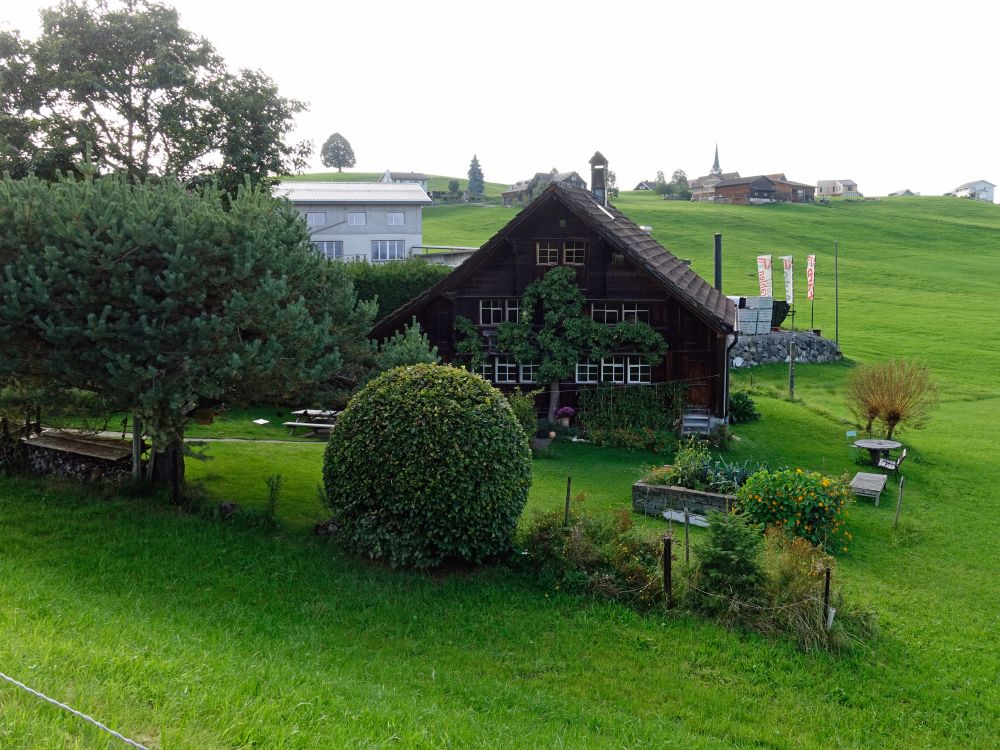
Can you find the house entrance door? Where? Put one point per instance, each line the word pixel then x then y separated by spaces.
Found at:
pixel 695 372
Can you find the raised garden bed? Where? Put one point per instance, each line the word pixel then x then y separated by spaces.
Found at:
pixel 653 499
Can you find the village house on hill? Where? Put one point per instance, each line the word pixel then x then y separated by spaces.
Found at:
pixel 405 178
pixel 980 190
pixel 525 190
pixel 366 221
pixel 624 274
pixel 837 189
pixel 703 188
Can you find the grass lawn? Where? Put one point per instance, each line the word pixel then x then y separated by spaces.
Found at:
pixel 187 633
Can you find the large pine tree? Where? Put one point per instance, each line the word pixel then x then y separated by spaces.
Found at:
pixel 160 299
pixel 476 186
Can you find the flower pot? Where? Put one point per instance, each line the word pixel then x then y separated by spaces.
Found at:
pixel 564 421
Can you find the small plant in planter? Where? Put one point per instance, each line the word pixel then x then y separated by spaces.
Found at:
pixel 564 414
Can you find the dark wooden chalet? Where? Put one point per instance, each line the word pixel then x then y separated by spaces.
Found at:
pixel 625 275
pixel 746 190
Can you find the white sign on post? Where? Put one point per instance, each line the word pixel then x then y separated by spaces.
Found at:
pixel 810 277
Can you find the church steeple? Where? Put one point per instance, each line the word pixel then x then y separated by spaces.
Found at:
pixel 716 169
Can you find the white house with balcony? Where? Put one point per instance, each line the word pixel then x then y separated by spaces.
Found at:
pixel 360 221
pixel 980 190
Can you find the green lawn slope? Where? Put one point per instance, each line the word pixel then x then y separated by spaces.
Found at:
pixel 188 633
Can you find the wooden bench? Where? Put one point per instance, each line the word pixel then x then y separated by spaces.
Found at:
pixel 316 427
pixel 869 485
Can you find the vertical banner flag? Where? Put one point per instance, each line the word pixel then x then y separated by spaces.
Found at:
pixel 764 275
pixel 786 261
pixel 810 276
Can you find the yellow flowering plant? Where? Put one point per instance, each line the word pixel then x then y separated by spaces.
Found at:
pixel 806 504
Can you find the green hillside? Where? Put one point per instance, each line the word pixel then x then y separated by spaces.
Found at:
pixel 436 182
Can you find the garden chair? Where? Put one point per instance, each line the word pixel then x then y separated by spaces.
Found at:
pixel 890 464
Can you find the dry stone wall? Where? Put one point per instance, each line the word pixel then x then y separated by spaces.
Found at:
pixel 773 347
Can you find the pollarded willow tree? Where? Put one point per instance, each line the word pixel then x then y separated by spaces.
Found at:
pixel 160 298
pixel 567 335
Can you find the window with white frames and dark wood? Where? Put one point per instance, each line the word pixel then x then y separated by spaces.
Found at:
pixel 606 312
pixel 574 253
pixel 357 218
pixel 506 370
pixel 547 253
pixel 635 312
pixel 486 369
pixel 491 312
pixel 639 371
pixel 586 371
pixel 613 369
pixel 316 218
pixel 395 219
pixel 529 372
pixel 513 310
pixel 329 249
pixel 388 250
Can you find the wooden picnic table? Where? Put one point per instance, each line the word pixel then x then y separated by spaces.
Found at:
pixel 877 448
pixel 316 420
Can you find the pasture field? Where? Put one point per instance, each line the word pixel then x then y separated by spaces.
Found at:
pixel 185 632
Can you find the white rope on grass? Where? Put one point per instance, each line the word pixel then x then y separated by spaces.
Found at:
pixel 73 711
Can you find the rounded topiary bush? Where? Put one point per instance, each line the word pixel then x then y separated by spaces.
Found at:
pixel 427 464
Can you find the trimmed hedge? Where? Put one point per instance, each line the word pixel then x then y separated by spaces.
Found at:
pixel 427 464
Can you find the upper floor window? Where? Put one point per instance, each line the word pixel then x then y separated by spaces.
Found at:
pixel 547 253
pixel 506 370
pixel 395 219
pixel 388 249
pixel 573 253
pixel 491 311
pixel 315 218
pixel 357 218
pixel 513 309
pixel 633 312
pixel 606 312
pixel 330 249
pixel 529 372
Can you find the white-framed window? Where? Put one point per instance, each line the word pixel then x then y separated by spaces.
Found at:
pixel 633 312
pixel 388 250
pixel 605 312
pixel 513 310
pixel 329 249
pixel 586 372
pixel 529 372
pixel 613 369
pixel 485 370
pixel 316 218
pixel 506 370
pixel 357 218
pixel 638 370
pixel 491 312
pixel 547 253
pixel 573 253
pixel 395 219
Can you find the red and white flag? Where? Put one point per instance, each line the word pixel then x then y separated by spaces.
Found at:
pixel 786 262
pixel 811 276
pixel 764 275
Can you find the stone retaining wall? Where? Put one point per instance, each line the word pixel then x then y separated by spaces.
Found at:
pixel 773 347
pixel 653 499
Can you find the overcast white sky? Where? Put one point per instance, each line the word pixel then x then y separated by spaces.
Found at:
pixel 890 94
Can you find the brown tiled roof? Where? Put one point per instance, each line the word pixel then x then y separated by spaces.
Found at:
pixel 676 277
pixel 759 181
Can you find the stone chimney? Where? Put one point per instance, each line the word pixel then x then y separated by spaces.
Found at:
pixel 599 177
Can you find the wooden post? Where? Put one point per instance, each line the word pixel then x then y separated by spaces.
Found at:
pixel 668 588
pixel 899 502
pixel 687 536
pixel 136 447
pixel 826 597
pixel 569 485
pixel 791 368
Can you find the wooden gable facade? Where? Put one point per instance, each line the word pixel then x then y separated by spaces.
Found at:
pixel 623 273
